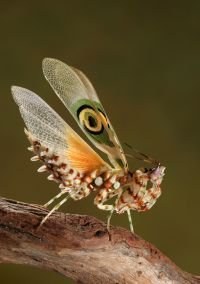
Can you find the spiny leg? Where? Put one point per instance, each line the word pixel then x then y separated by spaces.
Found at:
pixel 152 195
pixel 54 209
pixel 130 220
pixel 119 193
pixel 54 198
pixel 102 197
pixel 133 194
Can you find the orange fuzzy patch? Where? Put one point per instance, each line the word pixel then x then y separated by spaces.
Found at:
pixel 82 157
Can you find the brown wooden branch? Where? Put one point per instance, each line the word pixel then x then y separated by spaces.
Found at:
pixel 79 247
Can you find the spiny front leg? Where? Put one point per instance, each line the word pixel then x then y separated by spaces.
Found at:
pixel 151 196
pixel 138 196
pixel 131 197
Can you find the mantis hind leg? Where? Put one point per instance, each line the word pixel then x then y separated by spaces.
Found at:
pixel 55 197
pixel 130 220
pixel 56 207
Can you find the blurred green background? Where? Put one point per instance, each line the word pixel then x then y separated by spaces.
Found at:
pixel 143 58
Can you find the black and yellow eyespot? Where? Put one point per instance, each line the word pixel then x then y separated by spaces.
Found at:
pixel 91 120
pixel 103 118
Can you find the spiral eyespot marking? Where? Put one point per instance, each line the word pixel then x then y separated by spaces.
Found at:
pixel 92 121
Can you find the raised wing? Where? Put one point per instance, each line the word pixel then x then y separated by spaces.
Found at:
pixel 78 95
pixel 52 133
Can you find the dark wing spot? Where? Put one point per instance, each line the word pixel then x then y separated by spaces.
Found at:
pixel 92 121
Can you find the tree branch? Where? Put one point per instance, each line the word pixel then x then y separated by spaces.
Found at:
pixel 79 247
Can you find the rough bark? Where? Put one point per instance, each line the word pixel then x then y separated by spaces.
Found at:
pixel 79 247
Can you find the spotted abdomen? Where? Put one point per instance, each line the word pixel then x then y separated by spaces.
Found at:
pixel 78 184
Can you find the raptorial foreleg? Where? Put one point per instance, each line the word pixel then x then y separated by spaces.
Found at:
pixel 138 196
pixel 151 196
pixel 134 193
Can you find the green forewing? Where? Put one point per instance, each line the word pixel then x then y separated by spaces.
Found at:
pixel 98 135
pixel 78 95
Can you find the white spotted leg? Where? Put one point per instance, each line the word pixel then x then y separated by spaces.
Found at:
pixel 130 220
pixel 54 209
